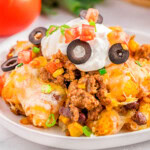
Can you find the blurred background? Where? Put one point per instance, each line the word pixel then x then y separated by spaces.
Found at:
pixel 24 15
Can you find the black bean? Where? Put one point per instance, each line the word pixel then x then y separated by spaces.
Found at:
pixel 67 83
pixel 134 105
pixel 82 118
pixel 139 118
pixel 85 111
pixel 65 111
pixel 77 74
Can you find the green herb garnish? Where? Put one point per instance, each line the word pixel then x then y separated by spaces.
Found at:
pixel 19 65
pixel 51 29
pixel 51 121
pixel 86 130
pixel 63 28
pixel 93 24
pixel 46 89
pixel 102 71
pixel 138 63
pixel 36 50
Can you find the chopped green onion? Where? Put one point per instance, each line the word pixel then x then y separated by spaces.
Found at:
pixel 46 88
pixel 51 30
pixel 50 123
pixel 63 28
pixel 93 24
pixel 138 63
pixel 102 71
pixel 86 130
pixel 19 65
pixel 36 50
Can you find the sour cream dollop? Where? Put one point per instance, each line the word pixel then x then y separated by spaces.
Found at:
pixel 100 46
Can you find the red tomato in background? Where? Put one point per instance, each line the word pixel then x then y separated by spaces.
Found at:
pixel 15 15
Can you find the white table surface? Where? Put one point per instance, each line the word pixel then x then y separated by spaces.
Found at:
pixel 115 12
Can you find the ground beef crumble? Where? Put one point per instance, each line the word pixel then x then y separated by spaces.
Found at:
pixel 80 99
pixel 94 114
pixel 91 98
pixel 70 72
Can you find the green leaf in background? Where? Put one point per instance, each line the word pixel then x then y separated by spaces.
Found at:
pixel 47 10
pixel 73 6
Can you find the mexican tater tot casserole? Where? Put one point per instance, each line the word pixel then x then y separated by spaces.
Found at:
pixel 82 76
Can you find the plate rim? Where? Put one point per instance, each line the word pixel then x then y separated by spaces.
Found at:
pixel 69 137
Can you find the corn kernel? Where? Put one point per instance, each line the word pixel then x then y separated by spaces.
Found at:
pixel 58 72
pixel 75 129
pixel 81 86
pixel 64 119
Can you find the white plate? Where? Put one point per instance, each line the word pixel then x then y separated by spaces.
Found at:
pixel 54 137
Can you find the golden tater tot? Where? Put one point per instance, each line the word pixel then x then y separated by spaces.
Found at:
pixel 108 123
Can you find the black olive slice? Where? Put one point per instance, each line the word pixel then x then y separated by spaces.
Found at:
pixel 117 54
pixel 83 13
pixel 10 64
pixel 100 19
pixel 76 48
pixel 37 34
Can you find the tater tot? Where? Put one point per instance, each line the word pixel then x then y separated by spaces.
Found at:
pixel 108 123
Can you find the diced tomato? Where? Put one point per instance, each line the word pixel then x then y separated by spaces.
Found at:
pixel 2 81
pixel 24 56
pixel 71 34
pixel 52 67
pixel 88 33
pixel 92 15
